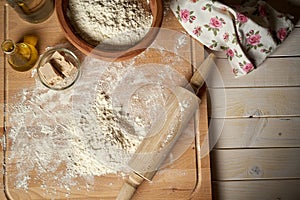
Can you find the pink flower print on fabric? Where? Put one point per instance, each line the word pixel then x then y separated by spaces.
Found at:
pixel 207 7
pixel 185 15
pixel 226 37
pixel 254 39
pixel 215 23
pixel 266 50
pixel 248 67
pixel 192 18
pixel 246 33
pixel 235 71
pixel 241 18
pixel 197 30
pixel 229 53
pixel 214 44
pixel 282 34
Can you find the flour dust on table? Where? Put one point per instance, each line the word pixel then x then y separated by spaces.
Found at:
pixel 63 139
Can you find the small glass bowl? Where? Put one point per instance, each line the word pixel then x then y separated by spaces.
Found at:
pixel 67 81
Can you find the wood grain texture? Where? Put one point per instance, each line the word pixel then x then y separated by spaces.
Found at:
pixel 2 91
pixel 2 194
pixel 165 184
pixel 245 164
pixel 107 187
pixel 2 61
pixel 264 148
pixel 264 190
pixel 257 132
pixel 255 102
pixel 202 190
pixel 275 72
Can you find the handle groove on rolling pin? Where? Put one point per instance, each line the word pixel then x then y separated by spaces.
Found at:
pixel 129 187
pixel 149 155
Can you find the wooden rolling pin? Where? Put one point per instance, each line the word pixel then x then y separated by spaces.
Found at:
pixel 179 109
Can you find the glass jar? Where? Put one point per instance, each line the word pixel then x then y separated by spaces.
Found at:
pixel 33 11
pixel 21 56
pixel 54 64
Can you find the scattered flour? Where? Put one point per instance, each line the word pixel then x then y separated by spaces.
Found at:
pixel 64 139
pixel 61 141
pixel 113 22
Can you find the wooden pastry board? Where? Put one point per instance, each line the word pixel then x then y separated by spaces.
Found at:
pixel 187 178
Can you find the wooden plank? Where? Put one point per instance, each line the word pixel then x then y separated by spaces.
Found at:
pixel 2 194
pixel 165 183
pixel 255 102
pixel 108 186
pixel 256 132
pixel 290 47
pixel 260 190
pixel 274 72
pixel 279 70
pixel 202 190
pixel 243 164
pixel 2 95
pixel 2 61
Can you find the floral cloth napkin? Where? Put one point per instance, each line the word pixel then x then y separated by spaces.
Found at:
pixel 247 33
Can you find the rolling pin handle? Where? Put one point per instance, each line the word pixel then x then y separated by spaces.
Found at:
pixel 153 143
pixel 129 187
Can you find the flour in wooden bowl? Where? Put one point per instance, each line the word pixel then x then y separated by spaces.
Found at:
pixel 113 22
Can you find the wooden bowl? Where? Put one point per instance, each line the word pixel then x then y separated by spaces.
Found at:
pixel 156 7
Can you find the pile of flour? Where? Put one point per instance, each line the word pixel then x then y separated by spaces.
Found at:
pixel 113 22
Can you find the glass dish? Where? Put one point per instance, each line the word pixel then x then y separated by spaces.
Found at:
pixel 61 81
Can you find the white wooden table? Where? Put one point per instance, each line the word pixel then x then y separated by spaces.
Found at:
pixel 190 178
pixel 257 155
